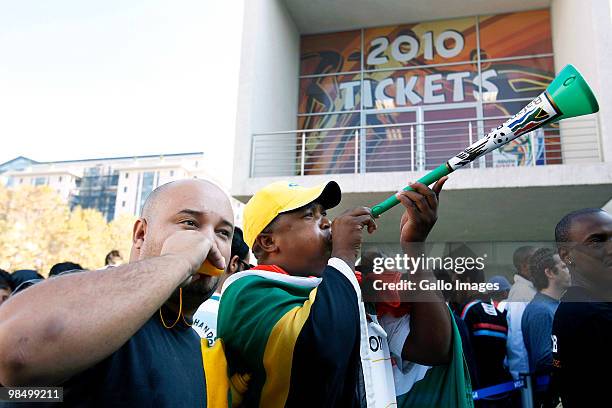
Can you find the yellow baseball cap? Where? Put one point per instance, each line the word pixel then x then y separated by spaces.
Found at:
pixel 280 197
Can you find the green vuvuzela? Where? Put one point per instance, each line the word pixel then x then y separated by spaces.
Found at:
pixel 567 96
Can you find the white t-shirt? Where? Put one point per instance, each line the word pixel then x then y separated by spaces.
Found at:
pixel 520 295
pixel 205 319
pixel 405 373
pixel 386 374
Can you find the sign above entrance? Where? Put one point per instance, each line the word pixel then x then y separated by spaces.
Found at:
pixel 487 59
pixel 417 92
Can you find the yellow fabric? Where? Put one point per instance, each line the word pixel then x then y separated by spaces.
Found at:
pixel 215 372
pixel 274 199
pixel 239 384
pixel 278 355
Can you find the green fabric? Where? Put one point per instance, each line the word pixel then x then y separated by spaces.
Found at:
pixel 249 309
pixel 443 386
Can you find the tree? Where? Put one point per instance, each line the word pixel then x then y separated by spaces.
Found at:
pixel 33 220
pixel 87 239
pixel 38 230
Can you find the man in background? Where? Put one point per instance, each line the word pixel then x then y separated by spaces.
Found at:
pixel 205 318
pixel 582 328
pixel 113 258
pixel 488 332
pixel 521 293
pixel 62 267
pixel 551 278
pixel 24 278
pixel 498 297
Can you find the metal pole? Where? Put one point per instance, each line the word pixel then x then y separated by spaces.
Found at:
pixel 356 151
pixel 470 137
pixel 533 148
pixel 303 153
pixel 411 148
pixel 362 151
pixel 480 127
pixel 420 141
pixel 544 157
pixel 527 392
pixel 597 136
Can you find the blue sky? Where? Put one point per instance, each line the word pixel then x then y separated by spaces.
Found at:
pixel 85 79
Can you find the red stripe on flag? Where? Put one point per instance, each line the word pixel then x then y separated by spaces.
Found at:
pixel 491 327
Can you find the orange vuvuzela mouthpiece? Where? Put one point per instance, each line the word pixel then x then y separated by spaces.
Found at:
pixel 208 269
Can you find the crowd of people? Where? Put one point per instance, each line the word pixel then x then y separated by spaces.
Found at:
pixel 11 283
pixel 295 330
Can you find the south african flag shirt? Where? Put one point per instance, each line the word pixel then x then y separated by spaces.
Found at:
pixel 309 342
pixel 298 338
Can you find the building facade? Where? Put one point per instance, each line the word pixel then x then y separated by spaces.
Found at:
pixel 114 186
pixel 373 93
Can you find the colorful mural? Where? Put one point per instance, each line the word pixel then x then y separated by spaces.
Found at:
pixel 389 79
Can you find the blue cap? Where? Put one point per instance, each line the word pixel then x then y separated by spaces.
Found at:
pixel 501 282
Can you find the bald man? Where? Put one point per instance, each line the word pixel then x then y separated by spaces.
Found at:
pixel 121 336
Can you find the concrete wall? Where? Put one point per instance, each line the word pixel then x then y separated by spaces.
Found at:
pixel 582 32
pixel 268 91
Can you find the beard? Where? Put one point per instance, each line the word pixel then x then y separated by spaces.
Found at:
pixel 203 287
pixel 196 292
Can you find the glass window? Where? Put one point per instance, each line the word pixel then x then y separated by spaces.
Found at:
pixel 148 179
pixel 409 45
pixel 40 181
pixel 420 86
pixel 328 150
pixel 330 53
pixel 445 133
pixel 515 34
pixel 408 87
pixel 516 79
pixel 328 121
pixel 390 148
pixel 330 94
pixel 434 62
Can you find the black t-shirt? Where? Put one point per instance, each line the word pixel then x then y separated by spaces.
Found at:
pixel 468 350
pixel 582 353
pixel 157 367
pixel 488 333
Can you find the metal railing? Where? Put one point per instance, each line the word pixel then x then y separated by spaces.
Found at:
pixel 416 147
